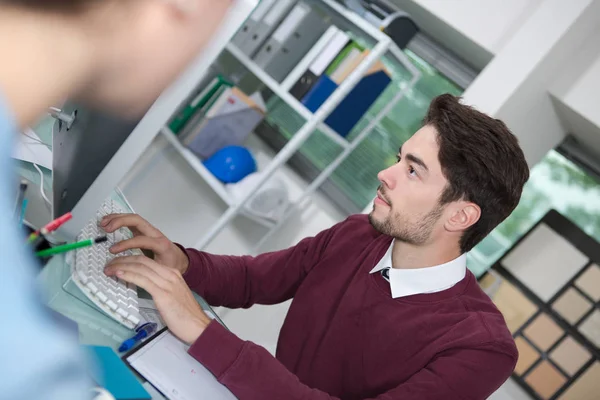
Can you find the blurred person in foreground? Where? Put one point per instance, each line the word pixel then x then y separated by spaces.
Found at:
pixel 116 55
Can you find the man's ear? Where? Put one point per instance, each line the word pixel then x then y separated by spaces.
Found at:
pixel 465 214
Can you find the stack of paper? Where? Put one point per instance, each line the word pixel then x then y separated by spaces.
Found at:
pixel 230 119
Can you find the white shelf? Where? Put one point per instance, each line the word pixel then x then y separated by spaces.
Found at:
pixel 282 92
pixel 217 186
pixel 197 165
pixel 269 81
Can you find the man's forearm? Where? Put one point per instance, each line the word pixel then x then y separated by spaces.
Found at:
pixel 241 281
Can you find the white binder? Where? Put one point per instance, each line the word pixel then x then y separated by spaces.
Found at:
pixel 330 52
pixel 249 28
pixel 298 32
pixel 270 18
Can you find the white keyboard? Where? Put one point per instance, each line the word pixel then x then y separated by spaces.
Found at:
pixel 114 296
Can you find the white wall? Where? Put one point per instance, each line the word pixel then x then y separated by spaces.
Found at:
pixel 514 86
pixel 584 94
pixel 474 30
pixel 575 93
pixel 488 23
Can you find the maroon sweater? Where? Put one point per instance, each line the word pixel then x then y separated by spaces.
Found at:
pixel 344 335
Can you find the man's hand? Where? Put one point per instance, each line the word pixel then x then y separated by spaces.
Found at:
pixel 174 300
pixel 146 237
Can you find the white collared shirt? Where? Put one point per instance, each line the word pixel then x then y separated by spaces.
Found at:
pixel 407 282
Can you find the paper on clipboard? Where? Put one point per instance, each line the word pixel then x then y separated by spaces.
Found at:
pixel 166 364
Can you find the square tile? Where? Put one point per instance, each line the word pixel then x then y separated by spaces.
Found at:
pixel 571 305
pixel 543 332
pixel 527 355
pixel 545 379
pixel 570 355
pixel 589 282
pixel 514 306
pixel 544 261
pixel 587 387
pixel 590 328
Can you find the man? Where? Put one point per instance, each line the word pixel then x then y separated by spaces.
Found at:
pixel 383 307
pixel 117 55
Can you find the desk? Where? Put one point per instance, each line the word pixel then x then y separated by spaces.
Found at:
pixel 95 327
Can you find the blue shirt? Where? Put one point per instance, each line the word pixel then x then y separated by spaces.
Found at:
pixel 38 359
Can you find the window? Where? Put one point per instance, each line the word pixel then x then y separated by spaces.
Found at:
pixel 354 182
pixel 556 182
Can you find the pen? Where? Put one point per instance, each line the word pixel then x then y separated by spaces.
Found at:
pixel 70 246
pixel 50 227
pixel 35 238
pixel 143 331
pixel 23 209
pixel 58 222
pixel 20 198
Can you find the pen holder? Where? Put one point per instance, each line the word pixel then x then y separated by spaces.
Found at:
pixel 39 245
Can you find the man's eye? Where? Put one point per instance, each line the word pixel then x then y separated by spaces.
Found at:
pixel 412 171
pixel 398 158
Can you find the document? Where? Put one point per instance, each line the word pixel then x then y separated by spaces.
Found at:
pixel 165 363
pixel 30 149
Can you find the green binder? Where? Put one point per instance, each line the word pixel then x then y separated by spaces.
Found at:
pixel 342 56
pixel 183 117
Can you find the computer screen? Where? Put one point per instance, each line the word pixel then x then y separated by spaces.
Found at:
pixel 81 151
pixel 93 155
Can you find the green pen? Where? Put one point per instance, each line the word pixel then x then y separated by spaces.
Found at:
pixel 70 246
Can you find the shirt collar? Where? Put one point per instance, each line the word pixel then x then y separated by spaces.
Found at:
pixel 407 282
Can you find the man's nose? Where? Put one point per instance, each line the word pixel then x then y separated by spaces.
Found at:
pixel 387 178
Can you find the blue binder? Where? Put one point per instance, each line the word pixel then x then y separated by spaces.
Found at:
pixel 357 102
pixel 320 92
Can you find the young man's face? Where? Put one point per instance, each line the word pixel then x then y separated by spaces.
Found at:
pixel 407 203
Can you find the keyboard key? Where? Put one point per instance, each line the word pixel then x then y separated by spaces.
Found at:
pixel 133 319
pixel 93 288
pixel 112 305
pixel 122 312
pixel 82 277
pixel 103 298
pixel 133 308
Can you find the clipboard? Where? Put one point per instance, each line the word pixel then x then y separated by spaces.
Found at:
pixel 178 376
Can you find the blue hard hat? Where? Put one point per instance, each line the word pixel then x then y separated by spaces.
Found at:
pixel 231 164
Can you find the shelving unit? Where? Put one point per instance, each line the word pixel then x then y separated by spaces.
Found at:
pixel 197 165
pixel 281 90
pixel 346 19
pixel 214 183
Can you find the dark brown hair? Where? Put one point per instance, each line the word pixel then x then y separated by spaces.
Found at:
pixel 482 161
